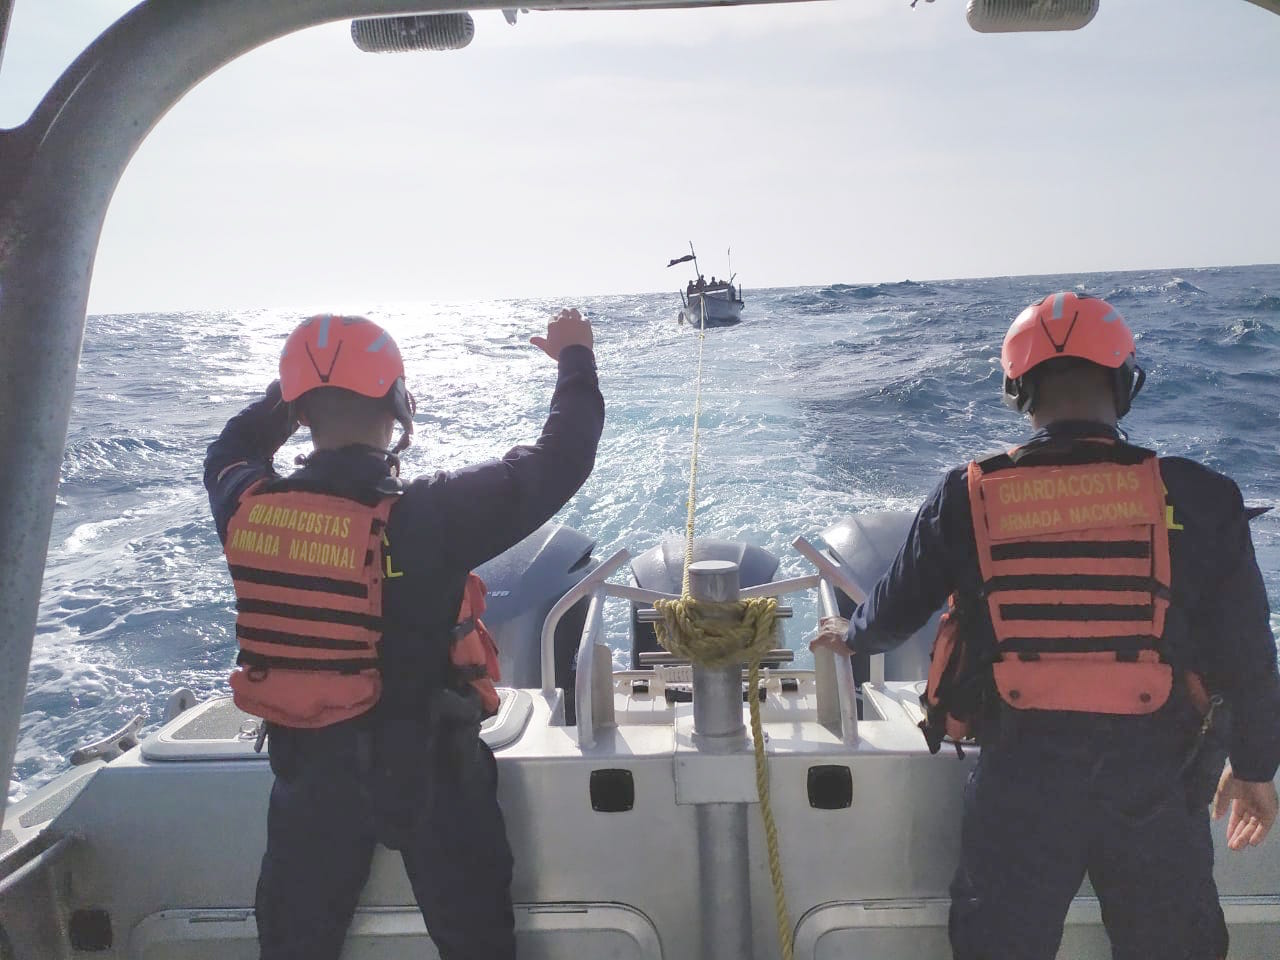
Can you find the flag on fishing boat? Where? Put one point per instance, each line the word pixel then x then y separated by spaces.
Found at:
pixel 685 259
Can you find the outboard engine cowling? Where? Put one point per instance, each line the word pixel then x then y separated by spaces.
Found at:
pixel 865 546
pixel 662 569
pixel 524 584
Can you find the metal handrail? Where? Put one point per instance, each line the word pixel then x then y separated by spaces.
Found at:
pixel 845 685
pixel 586 585
pixel 595 584
pixel 832 574
pixel 584 682
pixel 45 858
pixel 781 612
pixel 828 569
pixel 777 655
pixel 625 591
pixel 776 588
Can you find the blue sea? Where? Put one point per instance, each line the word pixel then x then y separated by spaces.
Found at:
pixel 824 402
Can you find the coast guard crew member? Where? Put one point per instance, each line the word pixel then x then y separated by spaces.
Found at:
pixel 359 632
pixel 1102 601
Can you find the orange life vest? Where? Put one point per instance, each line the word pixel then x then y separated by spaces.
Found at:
pixel 952 697
pixel 308 583
pixel 1075 566
pixel 474 655
pixel 308 580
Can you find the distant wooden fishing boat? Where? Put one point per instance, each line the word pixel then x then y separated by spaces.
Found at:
pixel 714 303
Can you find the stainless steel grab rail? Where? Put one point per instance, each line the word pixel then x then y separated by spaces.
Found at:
pixel 832 574
pixel 595 585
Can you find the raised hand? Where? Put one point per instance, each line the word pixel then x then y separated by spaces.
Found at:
pixel 567 328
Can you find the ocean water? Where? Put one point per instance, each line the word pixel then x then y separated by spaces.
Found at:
pixel 825 401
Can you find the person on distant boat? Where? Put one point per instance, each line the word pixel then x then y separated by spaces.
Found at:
pixel 360 640
pixel 1104 602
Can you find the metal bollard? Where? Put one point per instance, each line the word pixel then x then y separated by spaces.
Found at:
pixel 722 827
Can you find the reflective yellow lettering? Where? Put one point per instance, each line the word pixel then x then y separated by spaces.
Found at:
pixel 389 572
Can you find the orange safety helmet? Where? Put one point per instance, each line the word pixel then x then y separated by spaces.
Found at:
pixel 353 353
pixel 1069 325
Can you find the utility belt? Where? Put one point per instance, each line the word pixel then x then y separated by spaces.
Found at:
pixel 986 719
pixel 441 726
pixel 962 703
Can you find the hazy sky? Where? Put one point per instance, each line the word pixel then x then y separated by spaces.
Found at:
pixel 575 153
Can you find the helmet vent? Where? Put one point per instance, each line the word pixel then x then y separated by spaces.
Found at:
pixel 326 374
pixel 1059 347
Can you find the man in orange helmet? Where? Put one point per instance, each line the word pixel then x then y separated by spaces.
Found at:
pixel 1104 602
pixel 360 644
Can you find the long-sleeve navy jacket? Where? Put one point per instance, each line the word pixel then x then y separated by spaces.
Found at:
pixel 442 527
pixel 1215 581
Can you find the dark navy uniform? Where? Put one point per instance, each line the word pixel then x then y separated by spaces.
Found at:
pixel 411 773
pixel 1057 795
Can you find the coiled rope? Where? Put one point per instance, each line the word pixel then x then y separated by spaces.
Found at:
pixel 720 634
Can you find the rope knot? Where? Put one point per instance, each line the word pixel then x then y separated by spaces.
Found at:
pixel 717 634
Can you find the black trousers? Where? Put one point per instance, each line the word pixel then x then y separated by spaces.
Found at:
pixel 336 795
pixel 1047 807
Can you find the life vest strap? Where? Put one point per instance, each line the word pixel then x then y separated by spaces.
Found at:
pixel 1072 550
pixel 1117 645
pixel 1072 581
pixel 293 611
pixel 298 581
pixel 1057 612
pixel 471 671
pixel 285 638
pixel 354 665
pixel 1081 451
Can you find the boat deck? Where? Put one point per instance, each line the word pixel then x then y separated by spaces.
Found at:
pixel 605 837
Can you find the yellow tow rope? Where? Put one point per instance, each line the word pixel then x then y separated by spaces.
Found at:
pixel 700 632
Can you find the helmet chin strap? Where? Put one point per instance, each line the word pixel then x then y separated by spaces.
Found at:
pixel 404 406
pixel 406 438
pixel 1021 394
